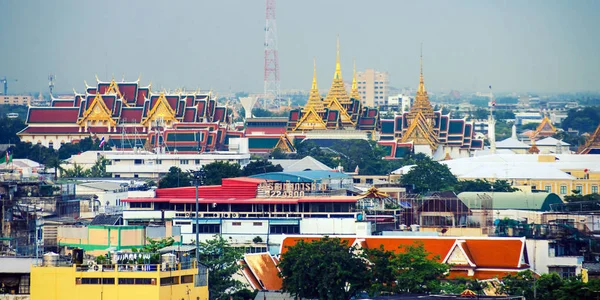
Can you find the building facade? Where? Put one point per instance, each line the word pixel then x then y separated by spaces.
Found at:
pixel 373 87
pixel 15 99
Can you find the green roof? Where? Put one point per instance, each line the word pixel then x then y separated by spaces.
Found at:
pixel 516 200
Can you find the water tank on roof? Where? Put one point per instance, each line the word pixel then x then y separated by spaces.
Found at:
pixel 50 259
pixel 415 227
pixel 169 260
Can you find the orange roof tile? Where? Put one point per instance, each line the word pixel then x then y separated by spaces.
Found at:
pixel 249 276
pixel 264 269
pixel 491 253
pixel 437 247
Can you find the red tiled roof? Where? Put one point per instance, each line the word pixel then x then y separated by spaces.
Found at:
pixel 131 114
pixel 46 129
pixel 53 115
pixel 233 200
pixel 62 103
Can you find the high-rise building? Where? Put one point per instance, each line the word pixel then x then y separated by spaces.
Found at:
pixel 373 87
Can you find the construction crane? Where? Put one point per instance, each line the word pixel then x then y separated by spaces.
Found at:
pixel 4 82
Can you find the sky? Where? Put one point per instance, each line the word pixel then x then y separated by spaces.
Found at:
pixel 541 46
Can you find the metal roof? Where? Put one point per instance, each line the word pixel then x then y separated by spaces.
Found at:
pixel 516 200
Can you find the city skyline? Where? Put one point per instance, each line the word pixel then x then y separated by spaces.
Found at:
pixel 537 46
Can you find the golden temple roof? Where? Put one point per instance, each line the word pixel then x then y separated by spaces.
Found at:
pixel 338 89
pixel 592 143
pixel 314 99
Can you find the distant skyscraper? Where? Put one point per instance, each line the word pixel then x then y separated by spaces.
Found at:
pixel 373 87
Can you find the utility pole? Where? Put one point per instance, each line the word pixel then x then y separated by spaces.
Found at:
pixel 198 180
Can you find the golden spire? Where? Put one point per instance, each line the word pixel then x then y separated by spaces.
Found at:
pixel 314 98
pixel 338 90
pixel 314 83
pixel 338 67
pixel 354 90
pixel 421 103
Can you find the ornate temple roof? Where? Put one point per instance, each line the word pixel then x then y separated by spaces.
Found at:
pixel 338 89
pixel 592 145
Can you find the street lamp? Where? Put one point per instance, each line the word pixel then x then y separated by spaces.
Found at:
pixel 198 176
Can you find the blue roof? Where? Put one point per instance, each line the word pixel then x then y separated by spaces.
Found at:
pixel 301 176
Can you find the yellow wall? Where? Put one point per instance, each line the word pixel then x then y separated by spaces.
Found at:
pixel 132 237
pixel 59 283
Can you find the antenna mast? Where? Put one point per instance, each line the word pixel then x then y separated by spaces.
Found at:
pixel 272 84
pixel 51 78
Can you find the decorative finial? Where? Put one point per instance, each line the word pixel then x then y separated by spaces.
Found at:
pixel 338 67
pixel 421 60
pixel 97 80
pixel 314 83
pixel 139 77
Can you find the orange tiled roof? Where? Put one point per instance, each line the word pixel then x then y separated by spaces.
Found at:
pixel 265 270
pixel 437 247
pixel 491 253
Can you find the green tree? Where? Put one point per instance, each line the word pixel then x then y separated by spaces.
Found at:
pixel 220 259
pixel 323 269
pixel 260 166
pixel 175 178
pixel 76 172
pixel 410 270
pixel 520 284
pixel 98 170
pixel 583 120
pixel 278 154
pixel 216 171
pixel 483 185
pixel 54 162
pixel 428 176
pixel 577 196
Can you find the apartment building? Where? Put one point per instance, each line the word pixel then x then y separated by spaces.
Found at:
pixel 373 87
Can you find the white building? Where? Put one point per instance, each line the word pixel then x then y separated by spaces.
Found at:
pixel 144 164
pixel 401 100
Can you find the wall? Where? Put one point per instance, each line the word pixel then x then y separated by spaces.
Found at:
pixel 539 259
pixel 327 226
pixel 58 283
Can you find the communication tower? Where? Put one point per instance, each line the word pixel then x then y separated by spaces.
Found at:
pixel 272 84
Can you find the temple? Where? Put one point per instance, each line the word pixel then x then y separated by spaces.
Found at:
pixel 423 130
pixel 592 145
pixel 545 129
pixel 129 116
pixel 340 115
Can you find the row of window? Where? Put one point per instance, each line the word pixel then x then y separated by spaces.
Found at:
pixel 563 189
pixel 274 229
pixel 143 281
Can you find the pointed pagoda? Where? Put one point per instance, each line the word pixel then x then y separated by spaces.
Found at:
pixel 338 89
pixel 545 129
pixel 420 119
pixel 314 98
pixel 354 90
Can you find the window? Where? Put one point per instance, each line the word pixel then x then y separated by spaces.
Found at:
pixel 579 188
pixel 51 145
pixel 184 161
pixel 140 205
pixel 187 279
pixel 170 280
pixel 236 224
pixel 548 188
pixel 207 228
pixel 137 281
pixel 138 161
pixel 594 189
pixel 197 161
pixel 257 223
pixel 284 229
pixel 563 271
pixel 136 175
pixel 563 189
pixel 159 162
pixel 117 175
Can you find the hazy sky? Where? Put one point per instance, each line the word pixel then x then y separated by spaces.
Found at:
pixel 537 46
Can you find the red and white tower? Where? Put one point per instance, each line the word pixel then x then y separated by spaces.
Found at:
pixel 272 84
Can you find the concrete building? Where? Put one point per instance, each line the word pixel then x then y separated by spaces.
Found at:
pixel 15 99
pixel 402 101
pixel 373 87
pixel 143 164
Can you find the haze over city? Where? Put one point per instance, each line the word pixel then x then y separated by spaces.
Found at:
pixel 533 46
